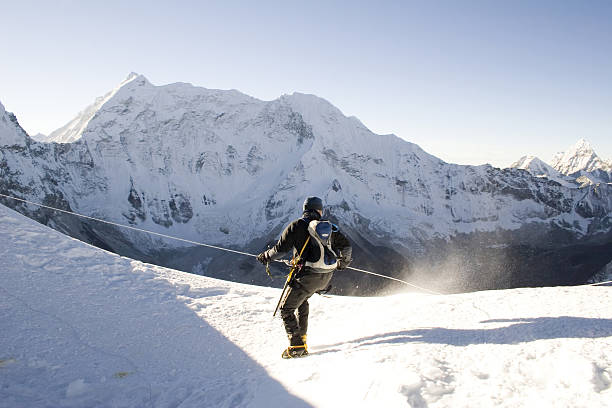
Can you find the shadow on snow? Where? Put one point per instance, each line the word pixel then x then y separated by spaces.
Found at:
pixel 519 331
pixel 86 328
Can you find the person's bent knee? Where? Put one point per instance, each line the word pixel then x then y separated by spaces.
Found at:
pixel 287 312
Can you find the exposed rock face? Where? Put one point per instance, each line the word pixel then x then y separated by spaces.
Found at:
pixel 604 275
pixel 223 168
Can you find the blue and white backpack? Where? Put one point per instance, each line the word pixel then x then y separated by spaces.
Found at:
pixel 320 233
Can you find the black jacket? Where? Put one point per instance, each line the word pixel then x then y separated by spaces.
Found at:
pixel 295 236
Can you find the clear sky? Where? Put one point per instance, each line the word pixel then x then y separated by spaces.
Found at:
pixel 469 81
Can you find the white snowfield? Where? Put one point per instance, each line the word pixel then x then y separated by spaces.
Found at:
pixel 81 327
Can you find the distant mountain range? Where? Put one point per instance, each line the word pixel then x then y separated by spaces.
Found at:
pixel 224 168
pixel 578 165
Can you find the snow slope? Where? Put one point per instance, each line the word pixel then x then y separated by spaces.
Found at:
pixel 83 327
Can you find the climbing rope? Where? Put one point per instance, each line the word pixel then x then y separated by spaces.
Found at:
pixel 198 243
pixel 395 279
pixel 598 283
pixel 129 227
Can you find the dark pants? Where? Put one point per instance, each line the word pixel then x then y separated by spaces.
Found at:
pixel 296 298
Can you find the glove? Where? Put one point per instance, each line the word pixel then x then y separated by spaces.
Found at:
pixel 263 258
pixel 343 263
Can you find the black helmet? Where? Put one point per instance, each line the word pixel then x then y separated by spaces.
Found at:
pixel 313 203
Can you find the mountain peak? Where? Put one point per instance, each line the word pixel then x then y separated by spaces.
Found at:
pixel 538 168
pixel 312 107
pixel 135 78
pixel 131 76
pixel 525 161
pixel 74 129
pixel 12 132
pixel 579 157
pixel 304 99
pixel 582 145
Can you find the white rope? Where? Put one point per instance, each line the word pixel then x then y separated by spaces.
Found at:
pixel 129 227
pixel 395 279
pixel 196 243
pixel 598 283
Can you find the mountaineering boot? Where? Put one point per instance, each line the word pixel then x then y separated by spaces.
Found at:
pixel 295 352
pixel 297 347
pixel 304 341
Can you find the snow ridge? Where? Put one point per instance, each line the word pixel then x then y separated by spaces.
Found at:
pixel 74 129
pixel 11 134
pixel 540 169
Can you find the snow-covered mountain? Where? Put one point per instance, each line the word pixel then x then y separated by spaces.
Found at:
pixel 224 168
pixel 579 157
pixel 88 328
pixel 581 162
pixel 578 165
pixel 540 169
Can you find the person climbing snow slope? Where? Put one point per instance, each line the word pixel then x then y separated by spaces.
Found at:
pixel 321 249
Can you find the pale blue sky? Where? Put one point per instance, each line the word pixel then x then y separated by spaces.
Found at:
pixel 469 81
